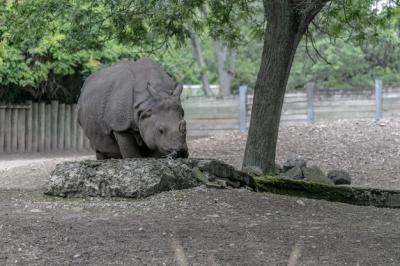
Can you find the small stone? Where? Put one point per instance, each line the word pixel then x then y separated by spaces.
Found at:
pixel 140 229
pixel 213 216
pixel 278 169
pixel 300 202
pixel 294 173
pixel 289 164
pixel 36 210
pixel 315 174
pixel 77 256
pixel 212 178
pixel 233 184
pixel 339 177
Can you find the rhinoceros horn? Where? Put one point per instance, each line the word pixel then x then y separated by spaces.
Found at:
pixel 178 90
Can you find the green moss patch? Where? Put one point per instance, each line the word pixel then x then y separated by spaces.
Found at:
pixel 310 189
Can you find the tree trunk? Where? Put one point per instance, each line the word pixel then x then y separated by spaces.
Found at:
pixel 287 21
pixel 226 67
pixel 198 54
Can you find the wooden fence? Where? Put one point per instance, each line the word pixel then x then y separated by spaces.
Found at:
pixel 40 127
pixel 208 116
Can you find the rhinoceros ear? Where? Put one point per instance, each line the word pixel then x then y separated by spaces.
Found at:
pixel 178 90
pixel 151 90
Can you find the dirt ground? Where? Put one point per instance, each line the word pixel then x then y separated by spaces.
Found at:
pixel 369 151
pixel 207 226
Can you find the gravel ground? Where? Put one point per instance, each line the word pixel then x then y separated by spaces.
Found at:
pixel 194 227
pixel 369 151
pixel 207 226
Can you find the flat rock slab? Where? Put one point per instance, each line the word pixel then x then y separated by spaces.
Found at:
pixel 139 178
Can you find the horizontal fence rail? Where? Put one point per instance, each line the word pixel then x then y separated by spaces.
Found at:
pixel 40 127
pixel 208 115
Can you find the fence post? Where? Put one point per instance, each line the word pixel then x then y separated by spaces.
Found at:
pixel 48 127
pixel 310 102
pixel 28 127
pixel 243 108
pixel 74 127
pixel 81 136
pixel 8 125
pixel 2 128
pixel 21 129
pixel 54 125
pixel 378 99
pixel 67 129
pixel 14 136
pixel 42 127
pixel 35 127
pixel 61 124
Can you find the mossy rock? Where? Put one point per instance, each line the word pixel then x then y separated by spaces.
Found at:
pixel 294 173
pixel 315 190
pixel 321 180
pixel 340 177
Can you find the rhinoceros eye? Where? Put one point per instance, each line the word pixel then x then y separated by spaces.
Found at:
pixel 161 130
pixel 145 114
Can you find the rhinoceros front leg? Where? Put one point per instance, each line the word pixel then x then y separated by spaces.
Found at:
pixel 127 145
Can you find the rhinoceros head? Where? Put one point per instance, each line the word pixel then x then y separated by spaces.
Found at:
pixel 161 124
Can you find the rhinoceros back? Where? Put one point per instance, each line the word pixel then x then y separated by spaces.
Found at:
pixel 108 97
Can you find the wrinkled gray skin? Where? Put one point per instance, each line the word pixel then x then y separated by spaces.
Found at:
pixel 133 110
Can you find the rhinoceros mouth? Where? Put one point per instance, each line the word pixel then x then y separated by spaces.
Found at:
pixel 177 154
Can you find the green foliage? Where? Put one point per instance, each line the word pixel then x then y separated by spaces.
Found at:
pixel 47 64
pixel 48 47
pixel 348 63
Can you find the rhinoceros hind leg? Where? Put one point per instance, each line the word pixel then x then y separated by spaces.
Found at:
pixel 127 145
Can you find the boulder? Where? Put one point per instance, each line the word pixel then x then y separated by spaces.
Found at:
pixel 339 177
pixel 138 178
pixel 315 174
pixel 289 164
pixel 278 169
pixel 294 173
pixel 253 170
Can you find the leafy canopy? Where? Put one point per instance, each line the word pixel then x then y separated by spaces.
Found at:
pixel 45 42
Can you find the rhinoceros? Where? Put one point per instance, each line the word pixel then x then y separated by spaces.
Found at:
pixel 132 110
